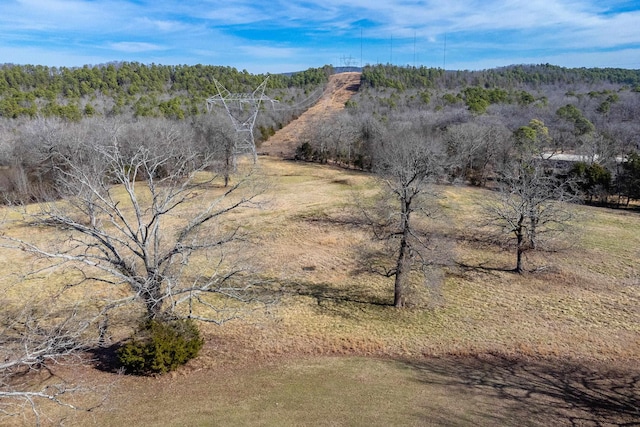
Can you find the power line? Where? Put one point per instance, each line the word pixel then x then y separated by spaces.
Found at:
pixel 414 49
pixel 314 97
pixel 243 121
pixel 360 47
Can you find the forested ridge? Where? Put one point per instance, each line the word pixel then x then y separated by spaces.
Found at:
pixel 133 88
pixel 482 116
pixel 584 119
pixel 179 90
pixel 505 77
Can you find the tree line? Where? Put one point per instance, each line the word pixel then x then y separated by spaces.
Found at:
pixel 584 120
pixel 132 88
pixel 514 76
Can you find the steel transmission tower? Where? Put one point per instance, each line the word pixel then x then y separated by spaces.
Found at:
pixel 243 110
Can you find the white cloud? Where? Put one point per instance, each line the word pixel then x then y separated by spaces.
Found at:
pixel 265 51
pixel 135 47
pixel 46 56
pixel 167 26
pixel 628 58
pixel 229 13
pixel 52 15
pixel 606 31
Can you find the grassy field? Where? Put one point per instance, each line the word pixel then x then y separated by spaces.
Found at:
pixel 349 391
pixel 489 347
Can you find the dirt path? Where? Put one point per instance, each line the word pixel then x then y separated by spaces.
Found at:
pixel 340 89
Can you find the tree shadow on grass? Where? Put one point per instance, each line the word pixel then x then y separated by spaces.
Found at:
pixel 323 292
pixel 483 267
pixel 519 392
pixel 331 300
pixel 106 358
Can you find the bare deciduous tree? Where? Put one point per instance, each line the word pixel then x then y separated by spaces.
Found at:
pixel 406 164
pixel 478 148
pixel 138 214
pixel 35 334
pixel 134 215
pixel 217 138
pixel 531 205
pixel 334 138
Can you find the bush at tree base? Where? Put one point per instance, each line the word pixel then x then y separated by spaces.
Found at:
pixel 160 346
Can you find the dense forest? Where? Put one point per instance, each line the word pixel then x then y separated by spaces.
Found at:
pixel 136 89
pixel 584 122
pixel 584 119
pixel 43 109
pixel 512 77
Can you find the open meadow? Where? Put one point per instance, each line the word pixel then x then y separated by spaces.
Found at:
pixel 558 345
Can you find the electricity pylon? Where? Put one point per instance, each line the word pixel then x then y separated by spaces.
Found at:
pixel 243 110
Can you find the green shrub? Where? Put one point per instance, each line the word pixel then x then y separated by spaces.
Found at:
pixel 160 346
pixel 304 152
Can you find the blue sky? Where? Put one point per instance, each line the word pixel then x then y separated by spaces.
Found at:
pixel 279 36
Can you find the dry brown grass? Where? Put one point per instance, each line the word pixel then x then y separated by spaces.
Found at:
pixel 583 306
pixel 322 391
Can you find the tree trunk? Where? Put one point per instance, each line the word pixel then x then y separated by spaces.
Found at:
pixel 403 266
pixel 153 301
pixel 520 244
pixel 230 162
pixel 519 260
pixel 402 275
